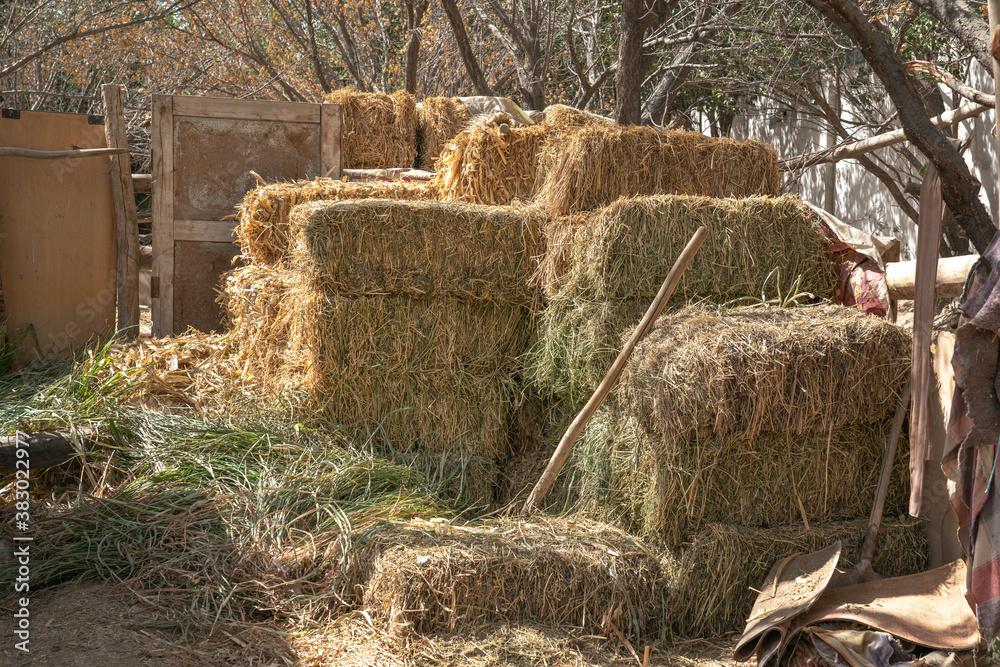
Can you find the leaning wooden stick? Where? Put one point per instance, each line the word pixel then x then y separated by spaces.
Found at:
pixel 574 430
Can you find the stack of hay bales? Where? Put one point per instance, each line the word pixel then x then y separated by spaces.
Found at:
pixel 379 131
pixel 601 271
pixel 404 320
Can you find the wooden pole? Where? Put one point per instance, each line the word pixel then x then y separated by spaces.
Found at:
pixel 60 155
pixel 994 13
pixel 949 282
pixel 125 215
pixel 574 430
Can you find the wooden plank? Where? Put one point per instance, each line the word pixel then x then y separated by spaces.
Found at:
pixel 217 231
pixel 331 131
pixel 57 235
pixel 162 151
pixel 212 107
pixel 125 215
pixel 60 155
pixel 949 282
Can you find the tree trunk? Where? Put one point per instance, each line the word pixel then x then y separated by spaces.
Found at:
pixel 44 450
pixel 628 78
pixel 959 190
pixel 414 17
pixel 465 48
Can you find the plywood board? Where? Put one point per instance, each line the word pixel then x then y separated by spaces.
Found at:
pixel 204 150
pixel 57 234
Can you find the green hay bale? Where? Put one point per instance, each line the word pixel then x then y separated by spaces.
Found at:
pixel 264 231
pixel 418 248
pixel 603 163
pixel 626 249
pixel 723 565
pixel 704 373
pixel 380 130
pixel 667 494
pixel 554 572
pixel 578 340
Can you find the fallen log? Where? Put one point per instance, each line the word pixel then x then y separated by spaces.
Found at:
pixel 45 449
pixel 950 280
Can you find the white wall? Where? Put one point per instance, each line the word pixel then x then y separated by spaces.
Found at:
pixel 859 198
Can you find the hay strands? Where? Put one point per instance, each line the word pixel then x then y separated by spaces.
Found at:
pixel 574 430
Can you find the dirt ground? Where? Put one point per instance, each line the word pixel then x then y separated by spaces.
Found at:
pixel 97 625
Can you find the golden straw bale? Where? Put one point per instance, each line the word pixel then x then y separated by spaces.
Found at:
pixel 720 570
pixel 430 577
pixel 491 163
pixel 601 164
pixel 439 120
pixel 705 373
pixel 418 248
pixel 264 232
pixel 380 130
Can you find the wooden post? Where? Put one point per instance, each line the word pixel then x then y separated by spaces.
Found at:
pixel 994 12
pixel 128 231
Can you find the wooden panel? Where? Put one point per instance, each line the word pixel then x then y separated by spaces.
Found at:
pixel 127 230
pixel 198 268
pixel 331 131
pixel 57 234
pixel 214 157
pixel 219 231
pixel 162 154
pixel 211 107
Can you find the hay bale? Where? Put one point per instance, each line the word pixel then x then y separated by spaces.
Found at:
pixel 264 232
pixel 601 164
pixel 417 248
pixel 438 374
pixel 704 373
pixel 626 249
pixel 560 117
pixel 380 130
pixel 555 572
pixel 629 479
pixel 439 120
pixel 725 563
pixel 491 163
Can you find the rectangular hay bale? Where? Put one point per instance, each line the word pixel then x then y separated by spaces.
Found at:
pixel 602 164
pixel 722 566
pixel 418 248
pixel 704 373
pixel 439 120
pixel 556 572
pixel 264 231
pixel 380 130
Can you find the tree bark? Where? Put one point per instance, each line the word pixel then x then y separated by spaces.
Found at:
pixel 967 26
pixel 465 48
pixel 630 74
pixel 414 17
pixel 959 189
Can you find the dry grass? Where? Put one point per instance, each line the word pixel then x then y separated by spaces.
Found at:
pixel 704 373
pixel 560 117
pixel 627 478
pixel 554 572
pixel 424 249
pixel 380 130
pixel 490 163
pixel 626 249
pixel 601 164
pixel 723 565
pixel 264 232
pixel 439 120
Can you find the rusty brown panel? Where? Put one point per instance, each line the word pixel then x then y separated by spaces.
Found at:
pixel 213 158
pixel 198 269
pixel 57 234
